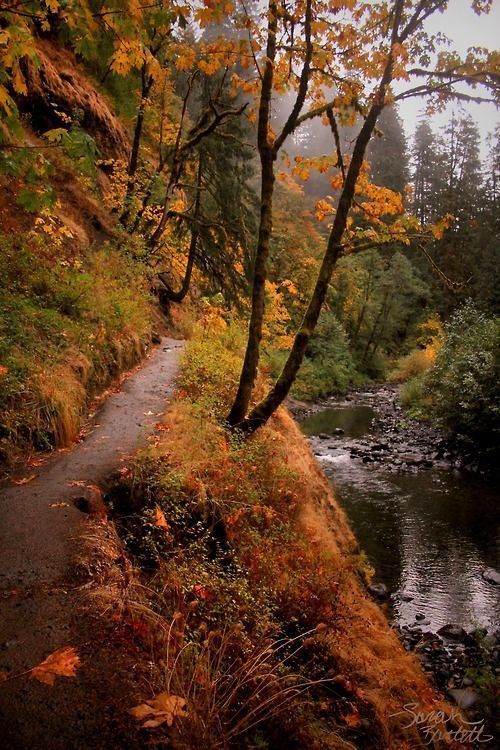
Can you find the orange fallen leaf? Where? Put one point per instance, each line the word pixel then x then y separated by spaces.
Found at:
pixel 62 663
pixel 163 709
pixel 25 480
pixel 160 519
pixel 353 719
pixel 35 461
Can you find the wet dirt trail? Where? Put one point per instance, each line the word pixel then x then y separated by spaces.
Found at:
pixel 39 605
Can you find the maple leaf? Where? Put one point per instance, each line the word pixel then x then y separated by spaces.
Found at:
pixel 163 709
pixel 62 663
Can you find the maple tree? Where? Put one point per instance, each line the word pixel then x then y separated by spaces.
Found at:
pixel 371 47
pixel 200 100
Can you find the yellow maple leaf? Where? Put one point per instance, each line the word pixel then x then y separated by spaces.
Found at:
pixel 163 709
pixel 62 663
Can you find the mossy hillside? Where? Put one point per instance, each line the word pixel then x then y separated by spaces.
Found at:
pixel 68 324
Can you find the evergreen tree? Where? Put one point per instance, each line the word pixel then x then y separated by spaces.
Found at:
pixel 427 172
pixel 387 154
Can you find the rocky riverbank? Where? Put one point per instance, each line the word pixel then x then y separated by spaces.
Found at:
pixel 396 441
pixel 464 663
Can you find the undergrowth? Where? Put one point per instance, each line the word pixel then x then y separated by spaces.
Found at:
pixel 67 325
pixel 248 605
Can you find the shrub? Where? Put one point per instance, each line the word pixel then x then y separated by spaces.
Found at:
pixel 328 366
pixel 464 383
pixel 421 359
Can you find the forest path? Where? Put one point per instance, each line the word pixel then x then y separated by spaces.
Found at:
pixel 39 611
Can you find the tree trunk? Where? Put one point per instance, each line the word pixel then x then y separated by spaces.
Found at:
pixel 267 158
pixel 171 295
pixel 174 178
pixel 147 82
pixel 280 390
pixel 261 413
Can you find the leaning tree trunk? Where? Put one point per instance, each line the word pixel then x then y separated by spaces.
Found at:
pixel 147 82
pixel 267 159
pixel 168 292
pixel 171 295
pixel 261 413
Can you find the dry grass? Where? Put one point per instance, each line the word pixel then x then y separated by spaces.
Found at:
pixel 221 622
pixel 316 581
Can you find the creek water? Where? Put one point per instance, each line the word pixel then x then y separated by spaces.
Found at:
pixel 429 534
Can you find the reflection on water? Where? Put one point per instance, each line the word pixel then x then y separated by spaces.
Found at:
pixel 355 422
pixel 428 535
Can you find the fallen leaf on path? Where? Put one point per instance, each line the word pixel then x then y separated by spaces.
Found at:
pixel 35 461
pixel 59 505
pixel 77 483
pixel 163 709
pixel 62 663
pixel 25 480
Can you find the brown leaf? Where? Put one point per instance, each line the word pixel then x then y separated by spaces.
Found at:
pixel 62 663
pixel 25 480
pixel 163 709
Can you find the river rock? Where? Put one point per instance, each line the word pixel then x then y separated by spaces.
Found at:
pixel 379 590
pixel 492 576
pixel 405 597
pixel 453 632
pixel 464 697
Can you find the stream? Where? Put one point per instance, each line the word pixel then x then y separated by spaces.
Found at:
pixel 430 530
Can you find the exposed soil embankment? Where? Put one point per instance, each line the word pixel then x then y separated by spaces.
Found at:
pixel 58 90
